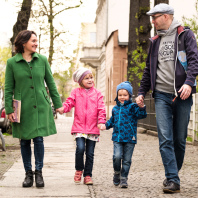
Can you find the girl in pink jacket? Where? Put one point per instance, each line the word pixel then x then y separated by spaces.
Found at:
pixel 89 113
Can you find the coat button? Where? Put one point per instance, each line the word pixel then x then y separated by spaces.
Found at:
pixel 32 87
pixel 35 106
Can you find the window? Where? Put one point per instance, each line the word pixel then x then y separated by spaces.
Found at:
pixel 93 37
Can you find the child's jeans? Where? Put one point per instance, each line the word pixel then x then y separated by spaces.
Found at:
pixel 84 146
pixel 122 153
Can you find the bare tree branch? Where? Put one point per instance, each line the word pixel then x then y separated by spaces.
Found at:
pixel 58 34
pixel 69 8
pixel 44 7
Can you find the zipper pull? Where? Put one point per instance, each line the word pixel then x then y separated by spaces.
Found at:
pixel 174 99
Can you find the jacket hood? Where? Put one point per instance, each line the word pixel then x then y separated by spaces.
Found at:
pixel 171 29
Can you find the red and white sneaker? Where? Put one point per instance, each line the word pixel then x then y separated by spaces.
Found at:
pixel 88 180
pixel 77 176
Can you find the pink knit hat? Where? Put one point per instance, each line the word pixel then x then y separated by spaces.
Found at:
pixel 80 73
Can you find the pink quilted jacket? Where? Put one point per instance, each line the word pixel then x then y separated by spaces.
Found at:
pixel 89 110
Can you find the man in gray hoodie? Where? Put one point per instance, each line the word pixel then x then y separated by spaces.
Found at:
pixel 171 70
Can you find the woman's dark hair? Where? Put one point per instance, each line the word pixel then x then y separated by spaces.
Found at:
pixel 22 37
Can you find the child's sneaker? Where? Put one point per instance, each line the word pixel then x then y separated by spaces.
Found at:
pixel 77 176
pixel 116 179
pixel 88 180
pixel 123 183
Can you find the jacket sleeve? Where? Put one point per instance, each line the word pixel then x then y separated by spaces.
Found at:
pixel 140 113
pixel 101 109
pixel 9 87
pixel 110 123
pixel 192 58
pixel 70 102
pixel 145 83
pixel 52 86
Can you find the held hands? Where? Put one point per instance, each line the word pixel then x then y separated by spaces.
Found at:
pixel 140 101
pixel 102 127
pixel 185 91
pixel 60 110
pixel 11 117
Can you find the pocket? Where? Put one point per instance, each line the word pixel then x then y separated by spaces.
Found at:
pixel 182 59
pixel 17 95
pixel 46 96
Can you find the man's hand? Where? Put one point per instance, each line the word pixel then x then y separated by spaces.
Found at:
pixel 140 101
pixel 185 91
pixel 60 110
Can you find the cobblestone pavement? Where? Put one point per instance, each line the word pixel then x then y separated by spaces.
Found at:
pixel 146 173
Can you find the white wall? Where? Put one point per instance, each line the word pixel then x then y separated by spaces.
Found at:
pixel 118 18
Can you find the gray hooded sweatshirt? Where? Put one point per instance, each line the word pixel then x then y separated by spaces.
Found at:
pixel 166 67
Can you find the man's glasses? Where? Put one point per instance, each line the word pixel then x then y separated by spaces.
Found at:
pixel 155 17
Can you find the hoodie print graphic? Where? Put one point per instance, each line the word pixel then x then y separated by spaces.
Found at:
pixel 166 52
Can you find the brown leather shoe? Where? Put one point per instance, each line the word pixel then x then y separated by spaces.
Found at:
pixel 172 187
pixel 165 182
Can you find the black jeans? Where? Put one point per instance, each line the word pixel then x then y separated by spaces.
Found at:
pixel 84 146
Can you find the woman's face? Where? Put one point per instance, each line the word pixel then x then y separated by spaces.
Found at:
pixel 31 45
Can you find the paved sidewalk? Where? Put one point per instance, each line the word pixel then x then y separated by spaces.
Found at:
pixel 58 169
pixel 145 178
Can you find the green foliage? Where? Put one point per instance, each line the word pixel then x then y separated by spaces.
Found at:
pixel 139 62
pixel 193 24
pixel 189 139
pixel 5 53
pixel 62 80
pixel 142 10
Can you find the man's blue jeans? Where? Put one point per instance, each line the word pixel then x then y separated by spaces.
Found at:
pixel 84 146
pixel 122 154
pixel 172 125
pixel 26 153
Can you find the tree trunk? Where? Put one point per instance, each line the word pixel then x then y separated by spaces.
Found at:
pixel 139 33
pixel 50 20
pixel 157 2
pixel 22 21
pixel 161 1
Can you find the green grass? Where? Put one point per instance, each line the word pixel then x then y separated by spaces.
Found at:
pixel 7 134
pixel 189 139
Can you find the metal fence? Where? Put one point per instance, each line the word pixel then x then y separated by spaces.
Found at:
pixel 149 122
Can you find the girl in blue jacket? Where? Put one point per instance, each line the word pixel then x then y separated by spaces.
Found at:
pixel 124 122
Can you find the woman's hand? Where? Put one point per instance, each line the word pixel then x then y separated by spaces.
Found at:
pixel 60 110
pixel 11 117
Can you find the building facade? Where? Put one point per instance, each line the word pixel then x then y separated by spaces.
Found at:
pixel 109 56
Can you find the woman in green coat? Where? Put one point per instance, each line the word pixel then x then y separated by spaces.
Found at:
pixel 26 74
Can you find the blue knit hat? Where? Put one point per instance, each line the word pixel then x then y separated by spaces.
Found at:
pixel 127 86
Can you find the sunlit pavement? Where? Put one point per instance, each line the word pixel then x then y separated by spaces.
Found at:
pixel 145 178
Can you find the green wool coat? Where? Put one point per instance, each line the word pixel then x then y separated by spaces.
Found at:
pixel 26 83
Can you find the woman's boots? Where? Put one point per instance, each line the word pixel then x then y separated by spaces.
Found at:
pixel 29 179
pixel 39 178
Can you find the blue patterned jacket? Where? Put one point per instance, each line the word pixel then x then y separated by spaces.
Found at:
pixel 124 121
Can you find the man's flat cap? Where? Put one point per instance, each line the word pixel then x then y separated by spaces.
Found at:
pixel 161 8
